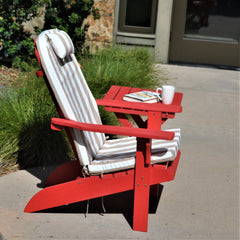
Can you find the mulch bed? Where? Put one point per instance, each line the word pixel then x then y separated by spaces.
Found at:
pixel 9 169
pixel 8 75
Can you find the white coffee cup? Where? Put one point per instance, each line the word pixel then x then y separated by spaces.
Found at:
pixel 167 94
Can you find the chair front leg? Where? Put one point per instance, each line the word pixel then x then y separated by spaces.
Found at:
pixel 142 185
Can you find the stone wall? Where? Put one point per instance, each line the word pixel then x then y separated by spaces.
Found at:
pixel 100 32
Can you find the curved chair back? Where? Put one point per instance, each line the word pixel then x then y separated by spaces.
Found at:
pixel 73 96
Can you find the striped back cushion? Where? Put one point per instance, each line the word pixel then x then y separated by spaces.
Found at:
pixel 71 91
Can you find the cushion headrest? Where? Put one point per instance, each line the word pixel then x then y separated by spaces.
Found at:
pixel 61 43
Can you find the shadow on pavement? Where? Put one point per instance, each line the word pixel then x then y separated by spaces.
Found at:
pixel 121 203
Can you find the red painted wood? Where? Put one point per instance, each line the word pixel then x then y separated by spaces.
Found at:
pixel 141 186
pixel 122 91
pixel 157 107
pixel 161 173
pixel 139 121
pixel 94 186
pixel 112 92
pixel 36 52
pixel 177 98
pixel 127 111
pixel 80 189
pixel 133 90
pixel 154 120
pixel 138 179
pixel 116 93
pixel 68 171
pixel 59 124
pixel 39 73
pixel 155 191
pixel 123 119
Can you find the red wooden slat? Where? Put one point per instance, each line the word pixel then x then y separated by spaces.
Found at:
pixel 80 189
pixel 158 107
pixel 138 120
pixel 123 119
pixel 160 174
pixel 177 98
pixel 59 124
pixel 126 111
pixel 112 92
pixel 135 90
pixel 66 172
pixel 122 92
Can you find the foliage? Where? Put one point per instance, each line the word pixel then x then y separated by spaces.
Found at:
pixel 27 108
pixel 25 132
pixel 14 39
pixel 118 66
pixel 68 15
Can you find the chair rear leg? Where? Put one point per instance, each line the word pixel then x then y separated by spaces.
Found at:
pixel 80 189
pixel 66 172
pixel 155 191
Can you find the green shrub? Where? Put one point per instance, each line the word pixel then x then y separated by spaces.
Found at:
pixel 26 111
pixel 68 15
pixel 15 43
pixel 119 66
pixel 14 40
pixel 25 132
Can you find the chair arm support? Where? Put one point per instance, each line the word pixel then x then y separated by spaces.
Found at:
pixel 59 123
pixel 139 106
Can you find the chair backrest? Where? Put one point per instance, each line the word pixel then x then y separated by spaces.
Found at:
pixel 73 96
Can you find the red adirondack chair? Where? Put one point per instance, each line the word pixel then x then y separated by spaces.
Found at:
pixel 146 157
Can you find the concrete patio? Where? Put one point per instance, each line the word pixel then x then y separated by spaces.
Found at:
pixel 201 203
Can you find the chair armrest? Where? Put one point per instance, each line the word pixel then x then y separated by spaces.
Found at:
pixel 59 123
pixel 140 106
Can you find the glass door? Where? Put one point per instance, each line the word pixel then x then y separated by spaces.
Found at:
pixel 206 32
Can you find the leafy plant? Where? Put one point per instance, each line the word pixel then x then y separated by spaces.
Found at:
pixel 14 39
pixel 26 109
pixel 68 15
pixel 25 132
pixel 119 66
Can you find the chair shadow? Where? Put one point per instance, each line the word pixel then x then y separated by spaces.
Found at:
pixel 120 203
pixel 42 173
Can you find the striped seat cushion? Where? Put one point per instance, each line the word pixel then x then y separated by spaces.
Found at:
pixel 119 154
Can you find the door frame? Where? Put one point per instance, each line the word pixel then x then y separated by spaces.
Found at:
pixel 187 50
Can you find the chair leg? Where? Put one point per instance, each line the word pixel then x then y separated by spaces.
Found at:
pixel 80 189
pixel 141 186
pixel 66 172
pixel 155 191
pixel 140 208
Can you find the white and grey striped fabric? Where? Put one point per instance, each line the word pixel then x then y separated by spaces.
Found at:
pixel 119 154
pixel 71 91
pixel 77 103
